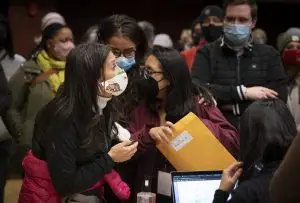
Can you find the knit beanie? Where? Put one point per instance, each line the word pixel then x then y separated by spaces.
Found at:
pixel 291 35
pixel 51 18
pixel 163 40
pixel 48 19
pixel 211 10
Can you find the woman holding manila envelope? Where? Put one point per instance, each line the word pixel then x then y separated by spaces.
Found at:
pixel 169 96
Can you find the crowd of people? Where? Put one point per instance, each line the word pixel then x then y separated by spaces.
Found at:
pixel 81 121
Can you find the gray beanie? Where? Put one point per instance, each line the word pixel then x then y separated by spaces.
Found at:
pixel 291 35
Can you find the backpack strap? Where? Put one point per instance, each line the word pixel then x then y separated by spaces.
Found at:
pixel 43 76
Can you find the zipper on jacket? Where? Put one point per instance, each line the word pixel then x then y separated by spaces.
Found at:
pixel 238 78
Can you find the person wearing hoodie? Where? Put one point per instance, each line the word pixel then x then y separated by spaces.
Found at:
pixel 211 23
pixel 289 47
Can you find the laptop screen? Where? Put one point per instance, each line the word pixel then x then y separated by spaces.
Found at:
pixel 195 188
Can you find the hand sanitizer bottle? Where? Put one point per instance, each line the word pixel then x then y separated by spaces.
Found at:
pixel 146 196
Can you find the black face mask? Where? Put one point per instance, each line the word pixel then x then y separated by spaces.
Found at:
pixel 212 32
pixel 148 88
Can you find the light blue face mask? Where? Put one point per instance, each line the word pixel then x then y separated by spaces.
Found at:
pixel 236 34
pixel 125 63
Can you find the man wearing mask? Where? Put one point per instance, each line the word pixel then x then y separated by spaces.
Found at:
pixel 235 70
pixel 206 28
pixel 289 47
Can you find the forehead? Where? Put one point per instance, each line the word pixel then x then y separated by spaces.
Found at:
pixel 153 63
pixel 120 42
pixel 64 32
pixel 243 11
pixel 294 43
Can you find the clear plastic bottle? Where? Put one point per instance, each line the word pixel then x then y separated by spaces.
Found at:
pixel 146 196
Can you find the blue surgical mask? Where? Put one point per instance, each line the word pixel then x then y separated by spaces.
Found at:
pixel 236 34
pixel 125 63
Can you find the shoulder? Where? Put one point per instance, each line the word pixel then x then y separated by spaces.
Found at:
pixel 31 66
pixel 263 49
pixel 19 58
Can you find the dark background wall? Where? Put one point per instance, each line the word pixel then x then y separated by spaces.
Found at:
pixel 169 16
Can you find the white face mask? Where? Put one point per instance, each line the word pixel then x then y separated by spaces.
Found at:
pixel 117 84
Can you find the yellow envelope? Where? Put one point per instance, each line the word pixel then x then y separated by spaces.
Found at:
pixel 195 148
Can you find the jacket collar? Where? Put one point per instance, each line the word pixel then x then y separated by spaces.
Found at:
pixel 247 49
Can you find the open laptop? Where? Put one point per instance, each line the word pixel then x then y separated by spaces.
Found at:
pixel 195 187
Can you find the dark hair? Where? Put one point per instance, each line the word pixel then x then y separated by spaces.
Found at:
pixel 8 42
pixel 251 3
pixel 267 131
pixel 148 29
pixel 48 33
pixel 182 92
pixel 122 25
pixel 90 36
pixel 79 93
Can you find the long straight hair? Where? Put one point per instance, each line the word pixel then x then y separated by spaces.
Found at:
pixel 78 96
pixel 267 131
pixel 181 92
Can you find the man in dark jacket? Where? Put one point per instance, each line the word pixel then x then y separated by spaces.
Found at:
pixel 235 70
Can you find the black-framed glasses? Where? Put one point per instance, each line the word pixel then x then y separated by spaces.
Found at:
pixel 127 53
pixel 146 72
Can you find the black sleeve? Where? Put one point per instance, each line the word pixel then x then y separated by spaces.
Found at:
pixel 201 74
pixel 239 195
pixel 5 96
pixel 277 79
pixel 67 177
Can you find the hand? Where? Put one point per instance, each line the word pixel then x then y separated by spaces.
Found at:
pixel 162 134
pixel 123 152
pixel 258 93
pixel 230 176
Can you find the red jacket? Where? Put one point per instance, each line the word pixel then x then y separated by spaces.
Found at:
pixel 37 186
pixel 150 160
pixel 190 54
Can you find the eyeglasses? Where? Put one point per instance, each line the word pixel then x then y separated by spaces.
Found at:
pixel 127 53
pixel 146 72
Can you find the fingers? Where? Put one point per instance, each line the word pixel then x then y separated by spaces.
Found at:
pixel 237 175
pixel 270 93
pixel 132 147
pixel 125 143
pixel 163 134
pixel 170 125
pixel 233 167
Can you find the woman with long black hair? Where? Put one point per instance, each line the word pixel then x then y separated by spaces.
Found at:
pixel 267 131
pixel 169 96
pixel 71 147
pixel 129 45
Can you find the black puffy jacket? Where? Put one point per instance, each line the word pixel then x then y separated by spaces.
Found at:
pixel 225 71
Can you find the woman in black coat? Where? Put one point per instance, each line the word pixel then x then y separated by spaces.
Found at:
pixel 267 131
pixel 73 133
